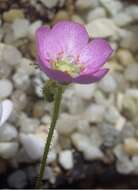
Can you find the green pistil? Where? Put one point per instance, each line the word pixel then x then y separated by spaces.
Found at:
pixel 65 66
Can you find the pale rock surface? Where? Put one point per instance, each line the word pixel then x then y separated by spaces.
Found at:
pixel 8 149
pixel 99 12
pixel 20 28
pixel 49 4
pixel 108 84
pixel 102 27
pixel 7 133
pixel 6 88
pixel 66 159
pixel 84 144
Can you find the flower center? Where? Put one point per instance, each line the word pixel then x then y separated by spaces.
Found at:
pixel 68 67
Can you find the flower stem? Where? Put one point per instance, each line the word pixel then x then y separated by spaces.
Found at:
pixel 57 101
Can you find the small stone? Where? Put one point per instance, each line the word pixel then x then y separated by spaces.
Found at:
pixel 17 180
pixel 77 18
pixel 52 155
pixel 84 144
pixel 108 84
pixel 20 28
pixel 112 115
pixel 99 98
pixel 131 146
pixel 49 175
pixel 66 124
pixel 8 149
pixel 122 19
pixel 60 15
pixel 87 4
pixel 128 39
pixel 5 70
pixel 27 66
pixel 95 136
pixel 102 27
pixel 46 119
pixel 33 145
pixel 38 109
pixel 132 11
pixel 6 107
pixel 120 124
pixel 21 80
pixel 19 99
pixel 109 134
pixel 6 88
pixel 120 153
pixel 7 133
pixel 131 73
pixel 33 27
pixel 27 125
pixel 49 4
pixel 128 131
pixel 125 166
pixel 99 12
pixel 66 159
pixel 83 126
pixel 125 57
pixel 85 92
pixel 38 87
pixel 129 107
pixel 132 92
pixel 113 7
pixel 10 55
pixel 12 14
pixel 94 113
pixel 74 105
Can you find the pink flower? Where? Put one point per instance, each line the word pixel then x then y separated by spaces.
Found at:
pixel 66 55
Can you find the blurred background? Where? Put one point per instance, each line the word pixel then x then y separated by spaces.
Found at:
pixel 95 144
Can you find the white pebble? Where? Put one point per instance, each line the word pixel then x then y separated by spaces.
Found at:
pixel 7 133
pixel 20 28
pixel 95 113
pixel 8 149
pixel 33 145
pixel 6 88
pixel 85 91
pixel 6 108
pixel 102 27
pixel 66 159
pixel 67 123
pixel 49 4
pixel 84 144
pixel 108 84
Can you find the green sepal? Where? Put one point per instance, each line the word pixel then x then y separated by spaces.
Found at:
pixel 49 90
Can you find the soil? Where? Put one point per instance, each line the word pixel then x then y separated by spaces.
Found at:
pixel 88 175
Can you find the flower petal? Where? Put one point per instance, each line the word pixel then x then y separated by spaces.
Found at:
pixel 70 36
pixel 41 35
pixel 91 77
pixel 95 53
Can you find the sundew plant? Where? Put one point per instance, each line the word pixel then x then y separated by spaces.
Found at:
pixel 67 55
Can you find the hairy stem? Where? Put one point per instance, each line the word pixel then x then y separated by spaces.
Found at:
pixel 57 101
